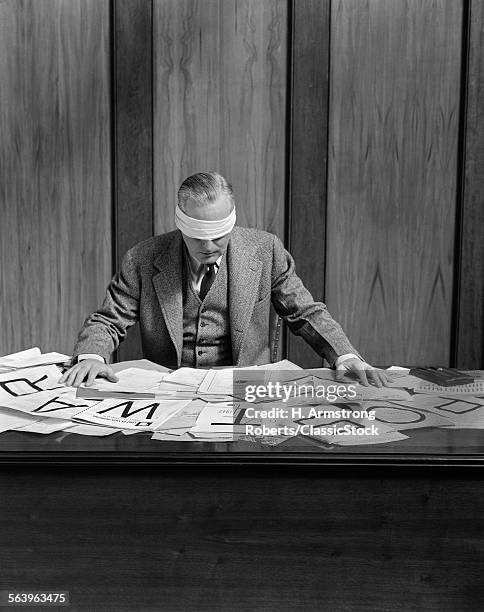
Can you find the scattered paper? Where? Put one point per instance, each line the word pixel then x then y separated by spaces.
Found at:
pixel 475 388
pixel 285 364
pixel 402 416
pixel 215 421
pixel 188 377
pixel 131 379
pixel 57 403
pixel 45 426
pixel 27 381
pixel 133 414
pixel 11 419
pixel 32 357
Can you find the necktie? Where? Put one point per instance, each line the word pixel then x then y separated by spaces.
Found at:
pixel 207 281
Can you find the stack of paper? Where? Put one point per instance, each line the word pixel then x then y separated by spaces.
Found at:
pixel 30 357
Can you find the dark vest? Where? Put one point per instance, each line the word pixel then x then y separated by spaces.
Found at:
pixel 206 327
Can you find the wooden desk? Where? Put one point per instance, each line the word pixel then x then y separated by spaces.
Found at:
pixel 125 523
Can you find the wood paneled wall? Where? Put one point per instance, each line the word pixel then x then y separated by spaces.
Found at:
pixel 469 324
pixel 220 103
pixel 350 129
pixel 55 160
pixel 393 136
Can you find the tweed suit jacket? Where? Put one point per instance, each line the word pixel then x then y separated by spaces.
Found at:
pixel 148 288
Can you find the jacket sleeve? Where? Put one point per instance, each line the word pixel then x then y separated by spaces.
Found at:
pixel 305 317
pixel 104 329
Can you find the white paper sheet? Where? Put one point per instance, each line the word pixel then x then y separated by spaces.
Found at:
pixel 183 420
pixel 133 414
pixel 45 426
pixel 285 364
pixel 57 403
pixel 405 415
pixel 187 377
pixel 131 379
pixel 475 388
pixel 215 422
pixel 24 382
pixel 32 357
pixel 11 419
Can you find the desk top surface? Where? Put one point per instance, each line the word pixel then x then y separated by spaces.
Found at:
pixel 423 446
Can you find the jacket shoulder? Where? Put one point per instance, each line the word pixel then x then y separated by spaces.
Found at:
pixel 255 236
pixel 149 249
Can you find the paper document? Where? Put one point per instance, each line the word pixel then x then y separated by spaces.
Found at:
pixel 217 382
pixel 475 388
pixel 27 381
pixel 45 426
pixel 215 421
pixel 131 379
pixel 11 419
pixel 183 420
pixel 285 364
pixel 32 357
pixel 188 377
pixel 56 403
pixel 405 415
pixel 133 414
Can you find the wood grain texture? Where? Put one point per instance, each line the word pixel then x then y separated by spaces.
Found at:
pixel 470 339
pixel 131 539
pixel 310 34
pixel 55 247
pixel 134 136
pixel 394 110
pixel 220 98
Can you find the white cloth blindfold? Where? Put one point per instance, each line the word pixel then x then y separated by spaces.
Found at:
pixel 204 230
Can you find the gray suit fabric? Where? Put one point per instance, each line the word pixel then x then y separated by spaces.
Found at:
pixel 148 288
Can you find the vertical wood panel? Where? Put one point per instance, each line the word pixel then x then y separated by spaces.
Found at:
pixel 395 76
pixel 308 154
pixel 220 98
pixel 134 136
pixel 470 339
pixel 55 248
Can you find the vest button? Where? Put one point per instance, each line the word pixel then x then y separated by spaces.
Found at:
pixel 203 324
pixel 200 353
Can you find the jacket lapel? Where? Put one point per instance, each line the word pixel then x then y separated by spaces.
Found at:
pixel 168 287
pixel 244 273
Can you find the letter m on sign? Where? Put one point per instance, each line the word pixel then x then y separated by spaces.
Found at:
pixel 128 409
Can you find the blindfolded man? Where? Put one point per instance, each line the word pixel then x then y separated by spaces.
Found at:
pixel 203 294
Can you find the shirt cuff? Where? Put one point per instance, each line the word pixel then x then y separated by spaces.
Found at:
pixel 89 356
pixel 344 357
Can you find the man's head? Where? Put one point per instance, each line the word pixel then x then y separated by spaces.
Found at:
pixel 205 215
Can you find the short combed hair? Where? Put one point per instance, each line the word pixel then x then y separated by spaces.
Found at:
pixel 204 187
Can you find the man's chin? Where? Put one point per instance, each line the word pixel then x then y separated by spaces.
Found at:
pixel 208 259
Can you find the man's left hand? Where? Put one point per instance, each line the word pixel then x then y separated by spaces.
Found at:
pixel 365 373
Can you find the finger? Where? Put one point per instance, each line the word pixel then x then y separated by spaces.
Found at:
pixel 80 375
pixel 91 376
pixel 374 377
pixel 70 376
pixel 111 376
pixel 385 379
pixel 340 374
pixel 362 376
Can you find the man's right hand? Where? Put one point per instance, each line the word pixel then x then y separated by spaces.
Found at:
pixel 87 370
